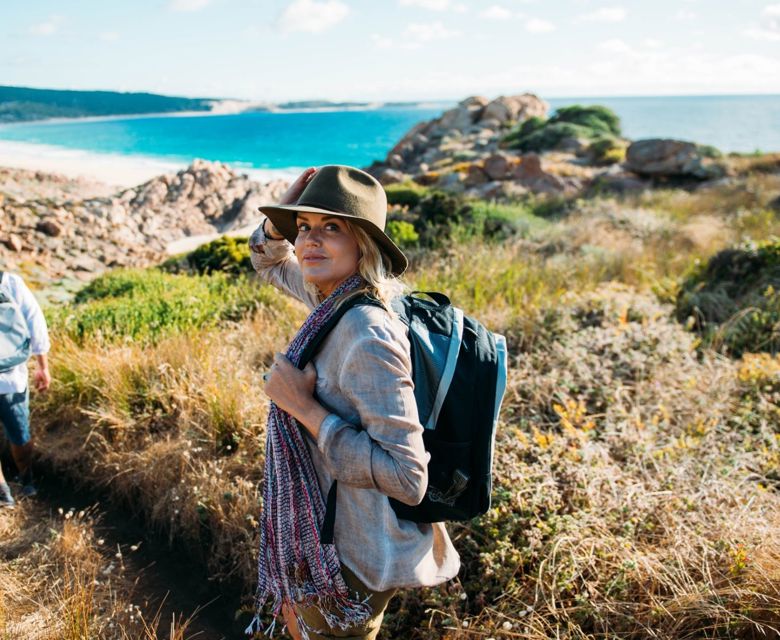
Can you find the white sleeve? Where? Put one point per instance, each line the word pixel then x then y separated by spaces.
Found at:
pixel 31 310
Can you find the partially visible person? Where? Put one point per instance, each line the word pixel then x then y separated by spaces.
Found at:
pixel 14 391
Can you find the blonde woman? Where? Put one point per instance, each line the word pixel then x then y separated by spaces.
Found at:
pixel 349 416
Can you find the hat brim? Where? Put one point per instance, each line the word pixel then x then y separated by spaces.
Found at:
pixel 282 218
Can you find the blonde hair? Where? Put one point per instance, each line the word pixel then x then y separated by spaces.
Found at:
pixel 374 267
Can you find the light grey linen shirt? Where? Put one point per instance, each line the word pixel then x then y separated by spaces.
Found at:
pixel 371 441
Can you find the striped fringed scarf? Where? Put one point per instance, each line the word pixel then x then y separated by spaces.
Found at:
pixel 293 565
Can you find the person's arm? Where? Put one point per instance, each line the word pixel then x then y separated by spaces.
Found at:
pixel 273 257
pixel 385 451
pixel 39 333
pixel 42 378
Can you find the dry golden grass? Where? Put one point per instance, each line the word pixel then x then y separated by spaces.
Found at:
pixel 635 495
pixel 59 582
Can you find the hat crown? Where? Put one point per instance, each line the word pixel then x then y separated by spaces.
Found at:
pixel 348 190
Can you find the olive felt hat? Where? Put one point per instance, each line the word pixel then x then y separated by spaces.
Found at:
pixel 345 192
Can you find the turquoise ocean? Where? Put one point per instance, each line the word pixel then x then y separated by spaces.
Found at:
pixel 297 139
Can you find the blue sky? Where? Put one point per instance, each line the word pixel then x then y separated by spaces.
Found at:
pixel 393 49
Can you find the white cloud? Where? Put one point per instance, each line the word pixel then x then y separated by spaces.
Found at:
pixel 652 43
pixel 382 42
pixel 47 28
pixel 311 16
pixel 772 10
pixel 685 15
pixel 606 14
pixel 496 12
pixel 757 33
pixel 432 5
pixel 109 36
pixel 188 5
pixel 770 29
pixel 615 45
pixel 421 33
pixel 537 25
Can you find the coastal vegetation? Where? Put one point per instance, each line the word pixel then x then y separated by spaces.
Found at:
pixel 596 126
pixel 636 486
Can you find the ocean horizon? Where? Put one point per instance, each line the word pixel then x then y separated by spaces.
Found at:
pixel 278 143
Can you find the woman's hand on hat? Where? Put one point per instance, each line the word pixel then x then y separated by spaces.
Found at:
pixel 292 390
pixel 295 190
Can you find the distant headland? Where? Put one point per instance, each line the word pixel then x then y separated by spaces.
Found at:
pixel 23 104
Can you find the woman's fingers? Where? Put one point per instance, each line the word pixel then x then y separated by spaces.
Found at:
pixel 296 188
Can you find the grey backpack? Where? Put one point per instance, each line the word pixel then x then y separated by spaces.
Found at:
pixel 14 334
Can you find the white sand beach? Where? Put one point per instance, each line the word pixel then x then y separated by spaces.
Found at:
pixel 112 169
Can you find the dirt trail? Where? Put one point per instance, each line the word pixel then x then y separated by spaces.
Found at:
pixel 165 576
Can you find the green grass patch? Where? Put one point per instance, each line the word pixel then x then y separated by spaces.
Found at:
pixel 405 194
pixel 494 220
pixel 146 305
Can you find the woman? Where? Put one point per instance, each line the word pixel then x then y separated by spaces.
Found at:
pixel 355 404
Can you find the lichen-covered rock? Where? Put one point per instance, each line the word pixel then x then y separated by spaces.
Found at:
pixel 656 157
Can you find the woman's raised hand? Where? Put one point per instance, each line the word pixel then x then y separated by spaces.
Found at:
pixel 296 188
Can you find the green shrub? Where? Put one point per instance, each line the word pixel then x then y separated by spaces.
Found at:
pixel 550 136
pixel 226 253
pixel 145 305
pixel 588 123
pixel 734 300
pixel 709 151
pixel 402 233
pixel 438 215
pixel 498 221
pixel 607 150
pixel 595 117
pixel 405 194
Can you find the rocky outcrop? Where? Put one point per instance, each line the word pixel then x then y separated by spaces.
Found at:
pixel 658 158
pixel 81 237
pixel 469 131
pixel 461 152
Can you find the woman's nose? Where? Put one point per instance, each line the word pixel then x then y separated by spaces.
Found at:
pixel 313 236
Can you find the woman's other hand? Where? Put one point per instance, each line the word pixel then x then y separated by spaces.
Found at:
pixel 292 390
pixel 296 188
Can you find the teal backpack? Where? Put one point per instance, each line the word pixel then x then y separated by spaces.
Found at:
pixel 14 334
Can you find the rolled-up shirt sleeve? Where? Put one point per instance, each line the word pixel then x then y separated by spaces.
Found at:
pixel 275 262
pixel 385 451
pixel 36 322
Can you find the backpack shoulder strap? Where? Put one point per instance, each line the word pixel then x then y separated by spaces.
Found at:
pixel 327 530
pixel 314 345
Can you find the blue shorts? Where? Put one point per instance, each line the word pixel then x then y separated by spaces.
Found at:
pixel 15 416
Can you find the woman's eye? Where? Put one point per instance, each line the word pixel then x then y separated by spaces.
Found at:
pixel 303 226
pixel 332 226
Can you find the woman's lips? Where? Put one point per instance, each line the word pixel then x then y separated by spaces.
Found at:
pixel 313 258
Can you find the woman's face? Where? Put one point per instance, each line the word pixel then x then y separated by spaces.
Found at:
pixel 326 250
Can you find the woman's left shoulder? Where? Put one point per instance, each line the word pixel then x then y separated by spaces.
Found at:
pixel 372 322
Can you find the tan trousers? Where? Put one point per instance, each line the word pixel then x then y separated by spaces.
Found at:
pixel 378 601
